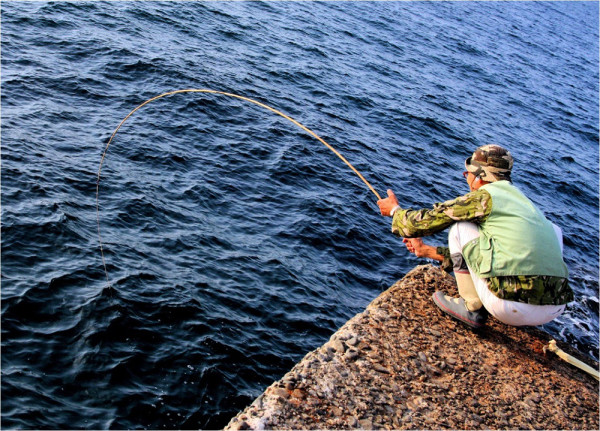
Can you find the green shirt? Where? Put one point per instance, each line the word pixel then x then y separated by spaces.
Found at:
pixel 475 207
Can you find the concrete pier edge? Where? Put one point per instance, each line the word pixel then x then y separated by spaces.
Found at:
pixel 401 364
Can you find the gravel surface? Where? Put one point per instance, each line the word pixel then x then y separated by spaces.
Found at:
pixel 402 364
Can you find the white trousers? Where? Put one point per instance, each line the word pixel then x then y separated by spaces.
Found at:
pixel 509 312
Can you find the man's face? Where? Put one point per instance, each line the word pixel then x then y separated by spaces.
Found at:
pixel 470 180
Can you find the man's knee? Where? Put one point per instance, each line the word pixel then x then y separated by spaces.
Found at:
pixel 460 233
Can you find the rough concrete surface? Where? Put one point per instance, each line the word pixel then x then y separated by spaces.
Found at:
pixel 402 364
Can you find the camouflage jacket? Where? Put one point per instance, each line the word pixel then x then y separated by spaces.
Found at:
pixel 475 207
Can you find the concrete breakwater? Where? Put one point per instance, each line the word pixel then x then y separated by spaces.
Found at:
pixel 402 364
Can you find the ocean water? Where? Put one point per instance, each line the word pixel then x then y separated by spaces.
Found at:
pixel 234 241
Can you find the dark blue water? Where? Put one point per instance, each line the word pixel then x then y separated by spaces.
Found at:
pixel 235 242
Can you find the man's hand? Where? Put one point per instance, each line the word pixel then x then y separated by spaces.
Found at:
pixel 389 204
pixel 420 249
pixel 416 246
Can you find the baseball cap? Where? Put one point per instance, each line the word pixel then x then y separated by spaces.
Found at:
pixel 490 163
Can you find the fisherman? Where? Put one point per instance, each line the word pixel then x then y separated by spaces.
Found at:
pixel 506 256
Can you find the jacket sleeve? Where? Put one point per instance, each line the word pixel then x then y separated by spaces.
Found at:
pixel 474 207
pixel 447 264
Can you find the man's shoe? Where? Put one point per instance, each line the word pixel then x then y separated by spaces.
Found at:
pixel 457 308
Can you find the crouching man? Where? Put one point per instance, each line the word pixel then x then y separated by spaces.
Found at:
pixel 505 254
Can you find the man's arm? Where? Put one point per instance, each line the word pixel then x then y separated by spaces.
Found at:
pixel 412 224
pixel 474 206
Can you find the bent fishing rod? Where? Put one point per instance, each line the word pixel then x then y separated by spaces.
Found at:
pixel 222 93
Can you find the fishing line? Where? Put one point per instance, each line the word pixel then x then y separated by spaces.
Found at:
pixel 237 96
